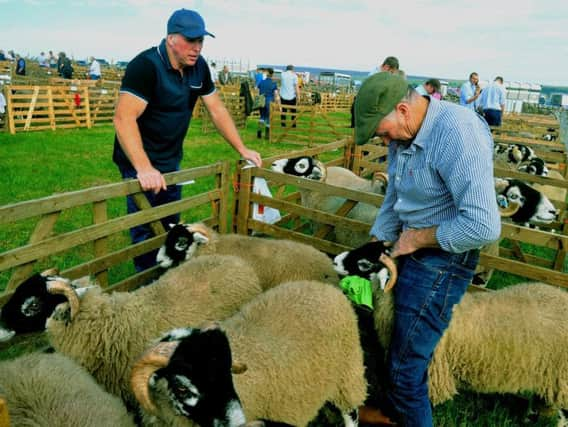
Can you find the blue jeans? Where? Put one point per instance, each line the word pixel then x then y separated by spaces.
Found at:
pixel 493 117
pixel 430 283
pixel 143 232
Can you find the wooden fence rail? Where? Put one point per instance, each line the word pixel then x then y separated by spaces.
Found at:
pixel 54 107
pixel 306 125
pixel 234 103
pixel 97 247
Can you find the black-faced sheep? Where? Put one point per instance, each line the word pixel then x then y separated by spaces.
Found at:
pixel 508 341
pixel 308 167
pixel 106 332
pixel 274 260
pixel 52 390
pixel 533 206
pixel 299 343
pixel 512 155
pixel 534 166
pixel 30 306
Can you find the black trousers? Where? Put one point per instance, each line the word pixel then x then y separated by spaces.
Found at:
pixel 285 110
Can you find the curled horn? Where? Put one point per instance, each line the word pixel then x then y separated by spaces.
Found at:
pixel 393 272
pixel 199 228
pixel 50 272
pixel 381 176
pixel 322 168
pixel 155 358
pixel 510 210
pixel 4 414
pixel 59 287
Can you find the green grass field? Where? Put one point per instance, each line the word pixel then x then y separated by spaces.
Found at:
pixel 39 164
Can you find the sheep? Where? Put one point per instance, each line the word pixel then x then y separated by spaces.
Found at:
pixel 299 343
pixel 512 155
pixel 50 389
pixel 307 167
pixel 553 193
pixel 275 261
pixel 106 332
pixel 30 305
pixel 534 166
pixel 533 206
pixel 508 341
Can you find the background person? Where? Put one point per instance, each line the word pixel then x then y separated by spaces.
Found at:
pixel 20 66
pixel 94 69
pixel 158 93
pixel 269 89
pixel 64 67
pixel 259 76
pixel 52 60
pixel 492 102
pixel 225 77
pixel 289 93
pixel 439 209
pixel 470 92
pixel 430 87
pixel 43 61
pixel 390 64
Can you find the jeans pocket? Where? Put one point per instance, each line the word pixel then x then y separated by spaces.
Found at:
pixel 454 291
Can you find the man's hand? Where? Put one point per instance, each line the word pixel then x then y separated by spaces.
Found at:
pixel 412 239
pixel 151 180
pixel 253 156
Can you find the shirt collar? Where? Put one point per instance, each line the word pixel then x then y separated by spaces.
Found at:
pixel 423 136
pixel 163 53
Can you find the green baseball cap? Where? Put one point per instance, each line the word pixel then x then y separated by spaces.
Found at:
pixel 376 98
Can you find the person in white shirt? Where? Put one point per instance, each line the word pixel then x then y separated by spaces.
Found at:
pixel 492 102
pixel 2 102
pixel 94 69
pixel 43 61
pixel 289 93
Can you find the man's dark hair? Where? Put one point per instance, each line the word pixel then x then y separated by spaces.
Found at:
pixel 500 79
pixel 270 71
pixel 289 67
pixel 392 62
pixel 472 74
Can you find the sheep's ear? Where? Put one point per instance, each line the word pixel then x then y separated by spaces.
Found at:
pixel 201 239
pixel 171 225
pixel 501 185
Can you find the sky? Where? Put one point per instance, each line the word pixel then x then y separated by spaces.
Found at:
pixel 521 40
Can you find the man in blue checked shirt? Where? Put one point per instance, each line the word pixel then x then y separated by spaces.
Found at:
pixel 439 209
pixel 470 92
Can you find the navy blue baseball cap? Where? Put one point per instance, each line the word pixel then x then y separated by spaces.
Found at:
pixel 188 23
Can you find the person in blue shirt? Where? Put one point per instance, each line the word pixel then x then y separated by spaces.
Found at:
pixel 20 66
pixel 470 92
pixel 259 76
pixel 439 209
pixel 269 89
pixel 492 102
pixel 158 93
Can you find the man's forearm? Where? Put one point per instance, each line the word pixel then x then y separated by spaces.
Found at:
pixel 130 140
pixel 225 125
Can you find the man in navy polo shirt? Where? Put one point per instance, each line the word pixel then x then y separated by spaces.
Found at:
pixel 159 90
